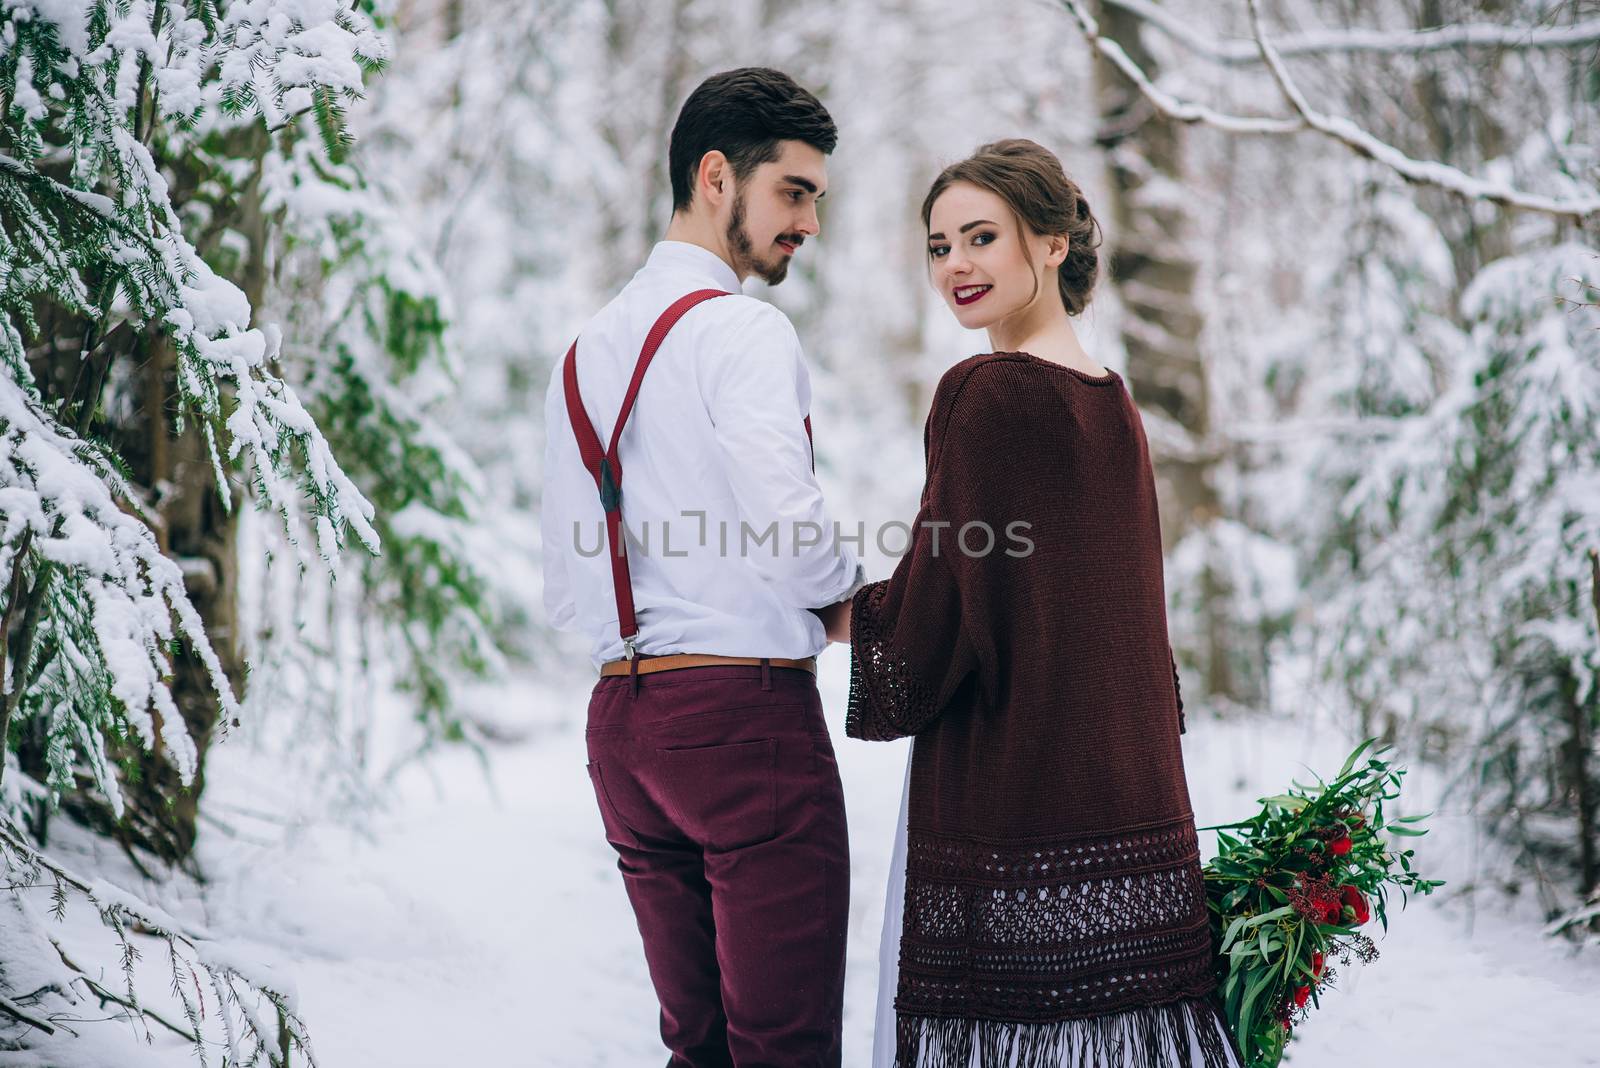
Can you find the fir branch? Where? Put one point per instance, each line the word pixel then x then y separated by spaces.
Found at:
pixel 16 1012
pixel 105 994
pixel 116 908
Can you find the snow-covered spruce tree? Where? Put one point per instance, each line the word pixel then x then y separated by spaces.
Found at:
pixel 135 140
pixel 129 127
pixel 1457 585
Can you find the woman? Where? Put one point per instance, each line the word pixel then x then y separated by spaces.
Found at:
pixel 1052 911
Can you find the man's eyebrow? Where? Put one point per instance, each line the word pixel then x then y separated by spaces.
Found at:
pixel 804 183
pixel 975 222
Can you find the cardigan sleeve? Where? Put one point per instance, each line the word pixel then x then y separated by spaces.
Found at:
pixel 919 637
pixel 1177 690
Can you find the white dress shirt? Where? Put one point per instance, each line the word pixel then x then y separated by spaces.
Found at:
pixel 718 428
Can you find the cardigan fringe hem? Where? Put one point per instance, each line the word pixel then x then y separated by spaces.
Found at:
pixel 1145 1037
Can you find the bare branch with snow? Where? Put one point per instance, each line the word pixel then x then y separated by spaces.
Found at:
pixel 1383 42
pixel 1418 172
pixel 1166 103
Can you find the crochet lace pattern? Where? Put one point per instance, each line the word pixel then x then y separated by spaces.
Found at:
pixel 1078 952
pixel 1053 929
pixel 879 679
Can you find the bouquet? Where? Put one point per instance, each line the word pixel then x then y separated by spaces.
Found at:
pixel 1290 889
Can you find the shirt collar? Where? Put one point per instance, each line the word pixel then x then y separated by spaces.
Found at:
pixel 681 257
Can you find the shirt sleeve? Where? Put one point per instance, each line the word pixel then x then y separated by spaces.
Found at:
pixel 560 607
pixel 751 385
pixel 919 638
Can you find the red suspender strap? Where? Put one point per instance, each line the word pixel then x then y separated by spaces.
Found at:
pixel 606 467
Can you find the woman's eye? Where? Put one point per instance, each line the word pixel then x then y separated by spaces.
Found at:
pixel 795 195
pixel 936 251
pixel 983 238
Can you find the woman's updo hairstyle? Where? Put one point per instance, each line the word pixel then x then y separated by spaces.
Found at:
pixel 1030 179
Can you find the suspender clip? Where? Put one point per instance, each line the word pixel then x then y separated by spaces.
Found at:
pixel 610 491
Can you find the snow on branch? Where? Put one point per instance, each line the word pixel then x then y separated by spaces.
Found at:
pixel 115 616
pixel 1422 172
pixel 237 982
pixel 1166 103
pixel 1329 42
pixel 1418 172
pixel 262 56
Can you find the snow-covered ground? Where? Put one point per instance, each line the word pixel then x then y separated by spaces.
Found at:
pixel 483 921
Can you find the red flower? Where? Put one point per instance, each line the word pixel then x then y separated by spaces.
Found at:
pixel 1340 846
pixel 1357 903
pixel 1316 964
pixel 1302 994
pixel 1287 1026
pixel 1333 912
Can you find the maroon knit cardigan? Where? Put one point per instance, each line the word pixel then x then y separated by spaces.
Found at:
pixel 1053 900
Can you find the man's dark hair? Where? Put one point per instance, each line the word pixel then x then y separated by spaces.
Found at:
pixel 743 114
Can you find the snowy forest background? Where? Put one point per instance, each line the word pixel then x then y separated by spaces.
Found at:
pixel 289 750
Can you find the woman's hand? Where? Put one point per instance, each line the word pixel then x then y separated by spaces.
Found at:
pixel 835 621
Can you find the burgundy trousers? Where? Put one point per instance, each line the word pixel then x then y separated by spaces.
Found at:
pixel 719 792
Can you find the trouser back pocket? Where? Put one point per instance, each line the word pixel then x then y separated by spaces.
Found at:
pixel 723 797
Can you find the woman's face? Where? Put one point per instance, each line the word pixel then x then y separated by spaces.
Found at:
pixel 979 261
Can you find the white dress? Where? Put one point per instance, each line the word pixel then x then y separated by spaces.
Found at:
pixel 883 1035
pixel 894 906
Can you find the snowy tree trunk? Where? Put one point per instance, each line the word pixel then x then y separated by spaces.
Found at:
pixel 1464 135
pixel 1154 270
pixel 636 120
pixel 160 814
pixel 1581 770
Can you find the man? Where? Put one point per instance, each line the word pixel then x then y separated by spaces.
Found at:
pixel 708 750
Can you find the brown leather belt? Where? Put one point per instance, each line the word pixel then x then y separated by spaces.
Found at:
pixel 674 661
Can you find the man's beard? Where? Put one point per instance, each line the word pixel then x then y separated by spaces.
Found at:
pixel 744 251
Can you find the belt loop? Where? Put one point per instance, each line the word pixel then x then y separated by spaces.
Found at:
pixel 766 673
pixel 633 673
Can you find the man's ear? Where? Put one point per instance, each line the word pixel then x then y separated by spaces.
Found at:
pixel 714 181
